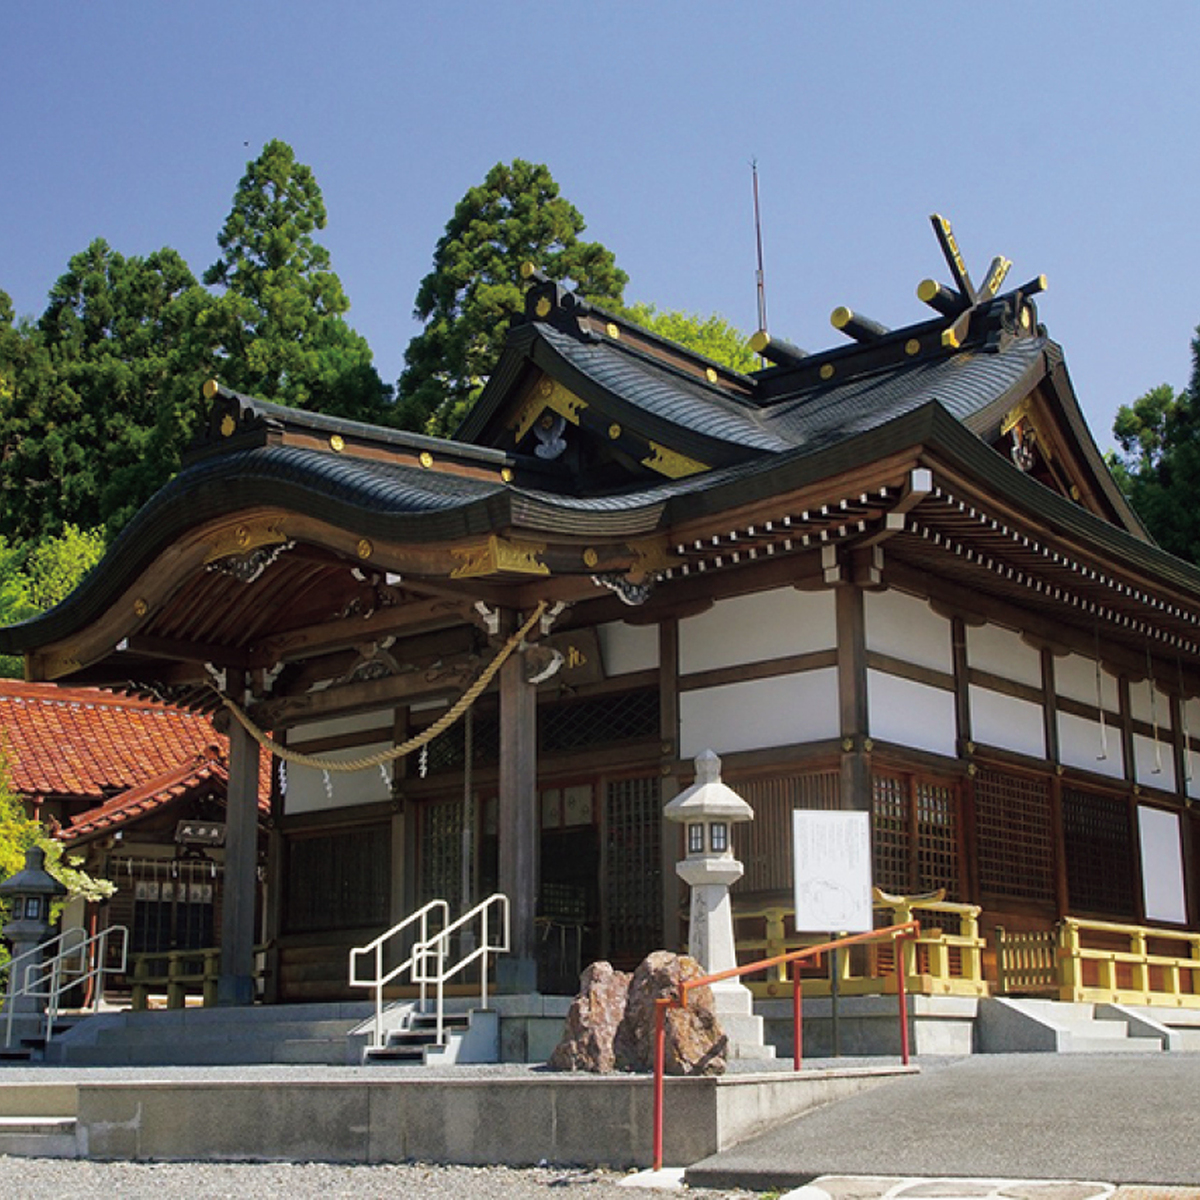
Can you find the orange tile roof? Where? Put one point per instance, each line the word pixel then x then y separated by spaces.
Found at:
pixel 90 744
pixel 205 770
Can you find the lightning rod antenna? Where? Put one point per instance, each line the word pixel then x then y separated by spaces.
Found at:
pixel 760 278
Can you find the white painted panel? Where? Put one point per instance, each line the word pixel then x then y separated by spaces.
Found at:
pixel 908 629
pixel 1075 676
pixel 757 628
pixel 335 727
pixel 1191 728
pixel 1000 651
pixel 307 790
pixel 1154 766
pixel 759 713
pixel 1155 709
pixel 625 648
pixel 911 714
pixel 1005 721
pixel 1162 865
pixel 1080 745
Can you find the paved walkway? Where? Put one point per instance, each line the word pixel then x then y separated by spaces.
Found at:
pixel 1119 1118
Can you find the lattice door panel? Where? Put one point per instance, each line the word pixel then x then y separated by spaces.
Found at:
pixel 441 852
pixel 633 878
pixel 915 825
pixel 1099 841
pixel 1014 832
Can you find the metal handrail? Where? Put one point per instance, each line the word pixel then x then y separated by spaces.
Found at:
pixel 906 930
pixel 376 950
pixel 49 978
pixel 437 951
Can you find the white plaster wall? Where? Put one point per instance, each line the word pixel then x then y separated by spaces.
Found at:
pixel 911 714
pixel 1079 745
pixel 1191 724
pixel 306 790
pixel 1162 865
pixel 1144 710
pixel 1146 760
pixel 757 628
pixel 759 713
pixel 1000 651
pixel 907 628
pixel 1075 676
pixel 626 648
pixel 1007 722
pixel 359 723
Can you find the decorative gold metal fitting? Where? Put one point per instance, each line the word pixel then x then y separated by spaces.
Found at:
pixel 912 346
pixel 506 475
pixel 847 744
pixel 426 459
pixel 827 371
pixel 337 442
pixel 543 306
pixel 140 607
pixel 590 557
pixel 210 389
pixel 612 331
pixel 364 548
pixel 614 431
pixel 228 425
pixel 710 375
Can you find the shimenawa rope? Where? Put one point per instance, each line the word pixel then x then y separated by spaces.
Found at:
pixel 443 722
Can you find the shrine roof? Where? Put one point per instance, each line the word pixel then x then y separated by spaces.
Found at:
pixel 88 744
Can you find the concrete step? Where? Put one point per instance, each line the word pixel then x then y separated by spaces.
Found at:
pixel 38 1137
pixel 1009 1024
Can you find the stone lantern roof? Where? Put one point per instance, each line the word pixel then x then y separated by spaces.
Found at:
pixel 708 797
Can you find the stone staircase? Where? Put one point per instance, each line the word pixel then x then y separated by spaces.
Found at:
pixel 1010 1024
pixel 38 1120
pixel 296 1033
pixel 471 1035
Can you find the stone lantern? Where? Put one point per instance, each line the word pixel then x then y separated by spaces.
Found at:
pixel 29 893
pixel 708 810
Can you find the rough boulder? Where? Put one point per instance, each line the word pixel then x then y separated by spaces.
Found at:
pixel 595 1014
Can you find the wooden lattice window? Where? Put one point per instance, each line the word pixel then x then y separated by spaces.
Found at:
pixel 441 852
pixel 1099 844
pixel 1014 833
pixel 633 870
pixel 915 834
pixel 765 844
pixel 889 820
pixel 339 880
pixel 602 719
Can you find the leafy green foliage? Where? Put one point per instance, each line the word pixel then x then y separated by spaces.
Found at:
pixel 712 336
pixel 278 324
pixel 1159 469
pixel 106 389
pixel 516 215
pixel 37 576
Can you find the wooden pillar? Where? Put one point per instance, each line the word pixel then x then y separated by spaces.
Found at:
pixel 235 984
pixel 668 703
pixel 852 698
pixel 518 825
pixel 1050 706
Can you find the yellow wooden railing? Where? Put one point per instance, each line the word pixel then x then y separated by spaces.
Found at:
pixel 946 959
pixel 180 973
pixel 1101 962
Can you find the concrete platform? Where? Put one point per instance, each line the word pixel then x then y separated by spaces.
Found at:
pixel 478 1115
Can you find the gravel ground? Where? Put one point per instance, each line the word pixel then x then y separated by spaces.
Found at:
pixel 54 1179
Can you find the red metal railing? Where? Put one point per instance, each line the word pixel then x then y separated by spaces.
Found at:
pixel 898 933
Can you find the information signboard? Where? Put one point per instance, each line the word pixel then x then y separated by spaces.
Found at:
pixel 832 853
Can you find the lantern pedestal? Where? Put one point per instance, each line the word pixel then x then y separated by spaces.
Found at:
pixel 707 809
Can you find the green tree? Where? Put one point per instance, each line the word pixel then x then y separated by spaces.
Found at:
pixel 279 322
pixel 105 393
pixel 712 336
pixel 1159 467
pixel 37 576
pixel 466 302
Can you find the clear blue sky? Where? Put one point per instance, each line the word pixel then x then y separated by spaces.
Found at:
pixel 1062 135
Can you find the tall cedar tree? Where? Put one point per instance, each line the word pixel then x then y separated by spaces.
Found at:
pixel 1159 469
pixel 278 323
pixel 466 301
pixel 102 393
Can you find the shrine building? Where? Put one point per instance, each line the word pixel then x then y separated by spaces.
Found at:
pixel 893 576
